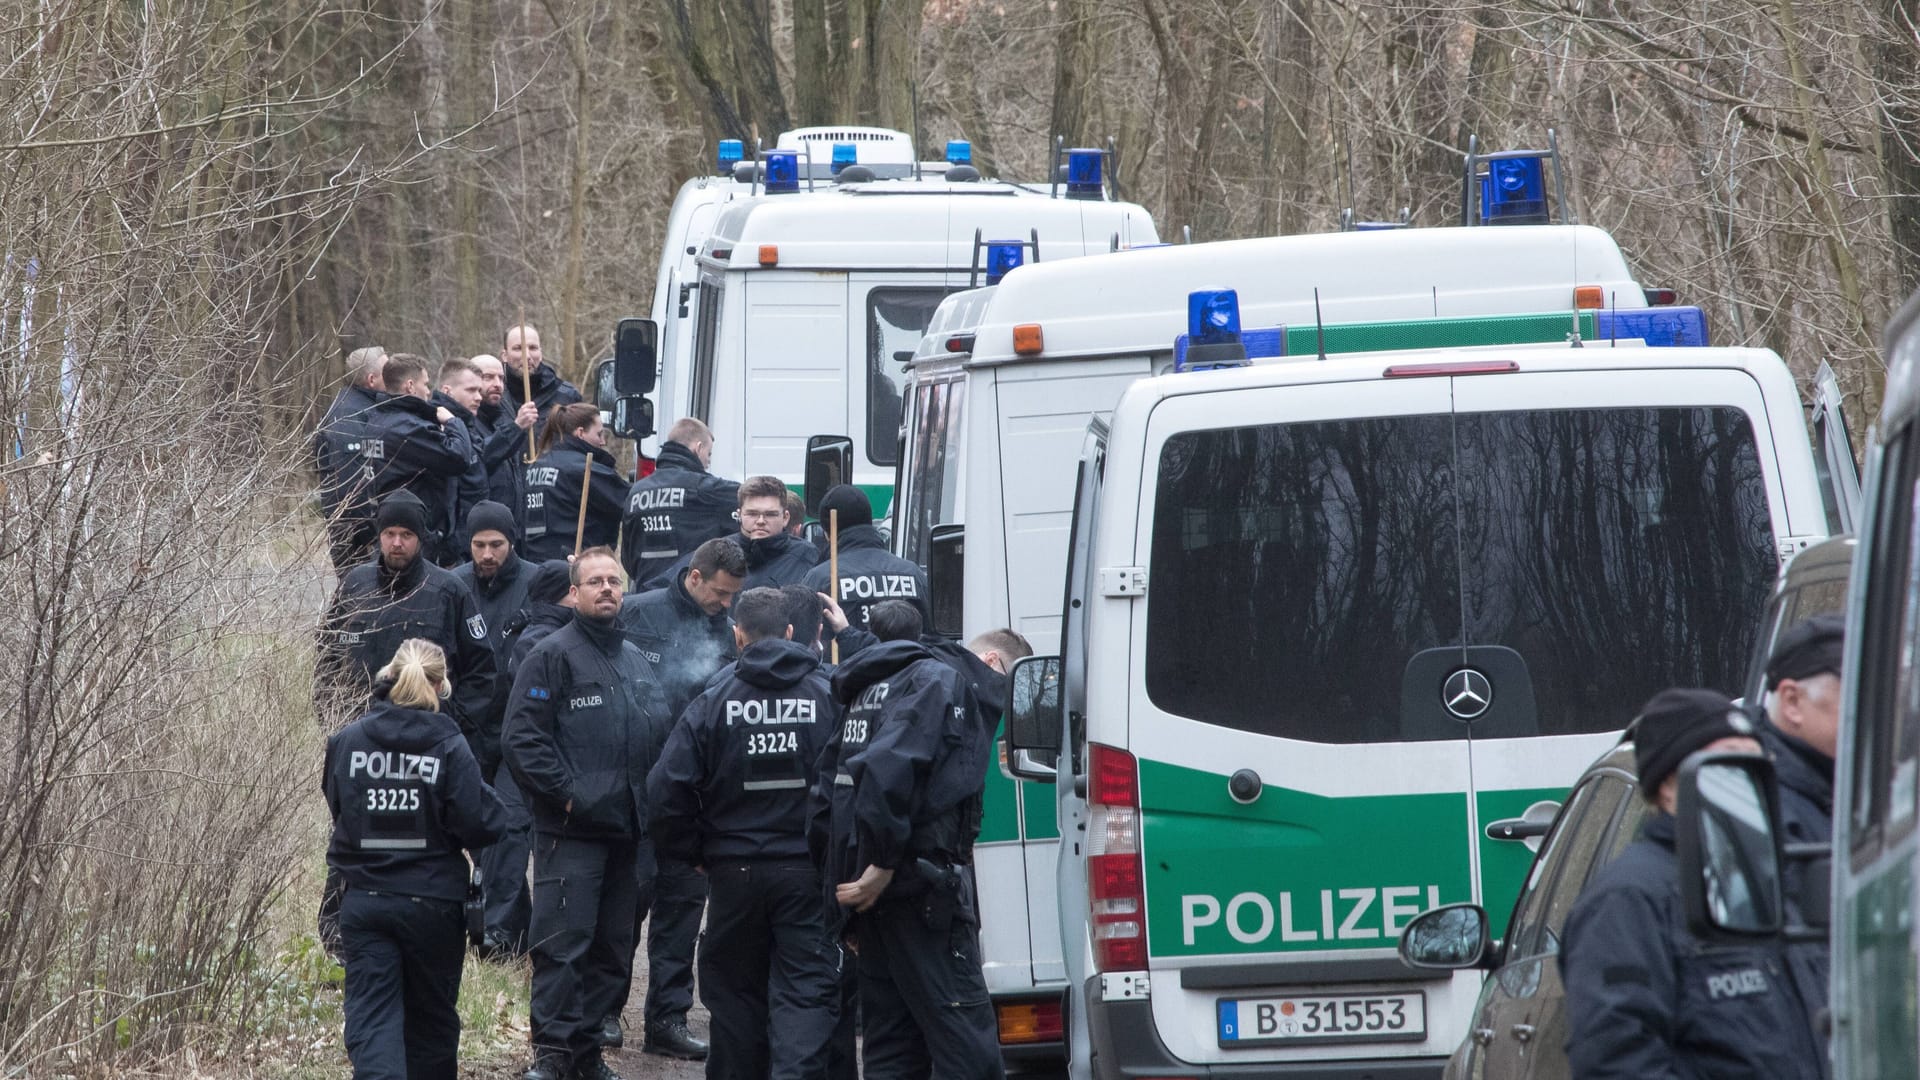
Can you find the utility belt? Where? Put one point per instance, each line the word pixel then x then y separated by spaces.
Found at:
pixel 937 889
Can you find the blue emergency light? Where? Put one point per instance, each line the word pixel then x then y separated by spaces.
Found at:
pixel 959 152
pixel 1002 256
pixel 1514 192
pixel 728 152
pixel 844 154
pixel 783 171
pixel 1083 173
pixel 1670 327
pixel 1213 330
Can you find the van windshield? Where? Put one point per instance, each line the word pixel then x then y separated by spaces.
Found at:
pixel 896 320
pixel 933 469
pixel 1297 568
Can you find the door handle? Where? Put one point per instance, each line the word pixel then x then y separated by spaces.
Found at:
pixel 1523 1032
pixel 1483 1036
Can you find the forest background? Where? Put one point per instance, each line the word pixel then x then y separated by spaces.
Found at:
pixel 205 203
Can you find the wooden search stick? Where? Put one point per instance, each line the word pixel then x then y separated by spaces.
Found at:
pixel 833 568
pixel 526 382
pixel 580 526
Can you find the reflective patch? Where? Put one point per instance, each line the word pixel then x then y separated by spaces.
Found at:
pixel 539 693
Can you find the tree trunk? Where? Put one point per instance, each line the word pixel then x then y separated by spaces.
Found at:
pixel 1898 78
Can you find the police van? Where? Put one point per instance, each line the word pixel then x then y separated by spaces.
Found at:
pixel 813 294
pixel 1336 629
pixel 998 402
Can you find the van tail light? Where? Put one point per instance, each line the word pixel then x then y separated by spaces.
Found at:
pixel 1116 888
pixel 644 467
pixel 1025 1022
pixel 1662 297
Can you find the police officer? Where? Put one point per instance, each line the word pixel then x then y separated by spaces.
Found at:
pixel 498 579
pixel 775 557
pixel 902 781
pixel 683 629
pixel 1801 734
pixel 805 613
pixel 346 483
pixel 678 507
pixel 582 731
pixel 380 603
pixel 503 434
pixel 460 393
pixel 869 573
pixel 417 446
pixel 521 352
pixel 549 607
pixel 572 436
pixel 729 795
pixel 406 796
pixel 1644 996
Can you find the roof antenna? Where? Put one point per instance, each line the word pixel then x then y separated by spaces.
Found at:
pixel 1436 300
pixel 1319 328
pixel 1573 339
pixel 1350 202
pixel 1613 324
pixel 913 89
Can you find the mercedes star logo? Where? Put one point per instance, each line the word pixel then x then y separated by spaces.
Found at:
pixel 1467 693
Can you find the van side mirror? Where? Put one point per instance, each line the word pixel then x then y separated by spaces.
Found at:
pixel 947 579
pixel 829 462
pixel 1447 939
pixel 1033 708
pixel 636 344
pixel 633 417
pixel 1728 846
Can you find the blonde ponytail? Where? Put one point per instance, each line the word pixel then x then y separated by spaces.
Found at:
pixel 417 673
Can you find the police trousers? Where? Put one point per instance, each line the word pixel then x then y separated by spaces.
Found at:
pixel 585 894
pixel 769 972
pixel 923 996
pixel 679 900
pixel 503 869
pixel 403 956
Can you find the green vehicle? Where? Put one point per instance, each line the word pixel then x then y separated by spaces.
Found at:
pixel 1338 631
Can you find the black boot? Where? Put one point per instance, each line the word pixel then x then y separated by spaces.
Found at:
pixel 594 1068
pixel 674 1040
pixel 610 1035
pixel 547 1065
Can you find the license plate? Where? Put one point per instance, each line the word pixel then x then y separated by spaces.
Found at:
pixel 1323 1018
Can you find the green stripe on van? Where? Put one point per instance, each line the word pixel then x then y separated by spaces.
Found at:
pixel 1439 333
pixel 880 495
pixel 1292 871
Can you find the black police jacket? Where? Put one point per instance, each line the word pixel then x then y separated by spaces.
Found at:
pixel 406 796
pixel 469 488
pixel 417 452
pixel 991 690
pixel 684 644
pixel 734 778
pixel 530 627
pixel 375 609
pixel 902 776
pixel 499 597
pixel 869 573
pixel 1646 999
pixel 503 448
pixel 552 502
pixel 585 721
pixel 673 511
pixel 1806 817
pixel 777 560
pixel 549 390
pixel 344 471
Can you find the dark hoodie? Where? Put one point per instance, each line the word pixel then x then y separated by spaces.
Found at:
pixel 540 614
pixel 732 782
pixel 406 797
pixel 501 445
pixel 1806 817
pixel 869 573
pixel 552 502
pixel 902 777
pixel 549 390
pixel 408 447
pixel 467 489
pixel 346 482
pixel 777 560
pixel 672 511
pixel 501 596
pixel 992 689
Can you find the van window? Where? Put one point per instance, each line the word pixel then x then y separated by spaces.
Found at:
pixel 933 466
pixel 1297 568
pixel 706 330
pixel 896 320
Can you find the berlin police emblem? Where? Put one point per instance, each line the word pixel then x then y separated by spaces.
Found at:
pixel 477 627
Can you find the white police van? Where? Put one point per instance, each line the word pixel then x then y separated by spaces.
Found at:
pixel 1331 621
pixel 810 301
pixel 998 403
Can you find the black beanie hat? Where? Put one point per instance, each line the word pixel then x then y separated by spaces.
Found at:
pixel 403 509
pixel 852 504
pixel 1809 647
pixel 549 582
pixel 1675 723
pixel 490 516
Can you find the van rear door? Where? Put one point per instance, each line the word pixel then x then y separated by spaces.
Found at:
pixel 1833 454
pixel 1301 547
pixel 1618 539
